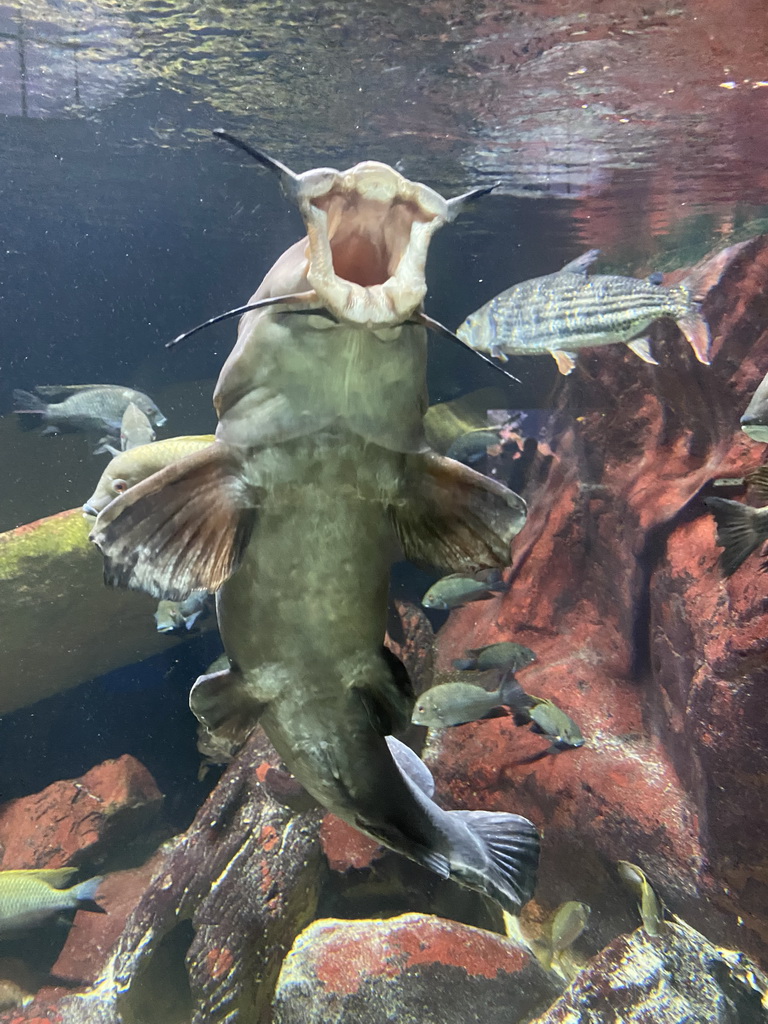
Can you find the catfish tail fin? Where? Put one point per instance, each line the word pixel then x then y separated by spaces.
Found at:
pixel 509 856
pixel 740 530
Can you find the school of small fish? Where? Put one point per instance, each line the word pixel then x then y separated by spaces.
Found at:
pixel 325 465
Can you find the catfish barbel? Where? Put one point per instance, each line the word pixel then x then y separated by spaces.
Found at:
pixel 319 478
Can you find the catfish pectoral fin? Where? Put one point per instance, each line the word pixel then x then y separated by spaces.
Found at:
pixel 184 528
pixel 454 518
pixel 222 703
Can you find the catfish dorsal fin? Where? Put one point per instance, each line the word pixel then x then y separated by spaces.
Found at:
pixel 184 528
pixel 581 264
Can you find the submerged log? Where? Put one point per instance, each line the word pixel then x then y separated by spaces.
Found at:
pixel 227 898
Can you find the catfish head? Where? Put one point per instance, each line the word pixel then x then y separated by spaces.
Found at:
pixel 368 233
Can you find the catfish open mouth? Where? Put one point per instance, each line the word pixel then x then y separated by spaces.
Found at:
pixel 369 230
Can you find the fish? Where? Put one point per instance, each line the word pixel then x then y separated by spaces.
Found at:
pixel 30 897
pixel 459 589
pixel 741 529
pixel 754 421
pixel 566 311
pixel 445 422
pixel 184 614
pixel 131 467
pixel 475 444
pixel 85 407
pixel 554 950
pixel 135 429
pixel 506 654
pixel 319 478
pixel 458 702
pixel 651 910
pixel 544 716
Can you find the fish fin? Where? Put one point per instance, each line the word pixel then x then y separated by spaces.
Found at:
pixel 454 518
pixel 388 701
pixel 703 277
pixel 397 840
pixel 511 843
pixel 190 620
pixel 60 389
pixel 642 347
pixel 411 766
pixel 222 704
pixel 56 877
pixel 184 528
pixel 758 481
pixel 514 696
pixel 739 531
pixel 465 664
pixel 696 332
pixel 581 264
pixel 566 361
pixel 85 894
pixel 105 448
pixel 25 403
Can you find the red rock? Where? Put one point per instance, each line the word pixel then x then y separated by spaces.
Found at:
pixel 346 847
pixel 415 969
pixel 614 585
pixel 76 820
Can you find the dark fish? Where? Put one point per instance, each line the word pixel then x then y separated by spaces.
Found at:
pixel 30 897
pixel 97 407
pixel 475 444
pixel 563 312
pixel 319 476
pixel 741 529
pixel 458 702
pixel 754 422
pixel 461 588
pixel 506 654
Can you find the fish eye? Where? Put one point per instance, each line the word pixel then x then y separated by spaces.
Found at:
pixel 119 485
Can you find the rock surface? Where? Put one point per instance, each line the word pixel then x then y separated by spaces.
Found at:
pixel 614 584
pixel 205 940
pixel 415 969
pixel 675 977
pixel 80 821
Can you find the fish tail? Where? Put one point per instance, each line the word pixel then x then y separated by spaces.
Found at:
pixel 513 695
pixel 510 844
pixel 84 895
pixel 692 323
pixel 25 403
pixel 740 530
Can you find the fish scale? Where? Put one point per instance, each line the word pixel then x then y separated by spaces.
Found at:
pixel 563 312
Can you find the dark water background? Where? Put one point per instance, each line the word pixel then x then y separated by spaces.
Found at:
pixel 124 223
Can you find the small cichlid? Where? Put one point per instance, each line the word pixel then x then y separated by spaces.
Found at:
pixel 184 614
pixel 85 407
pixel 135 429
pixel 457 703
pixel 506 654
pixel 131 467
pixel 754 422
pixel 461 588
pixel 741 529
pixel 651 909
pixel 563 312
pixel 29 897
pixel 545 717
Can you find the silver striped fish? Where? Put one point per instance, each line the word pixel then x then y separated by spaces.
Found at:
pixel 567 311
